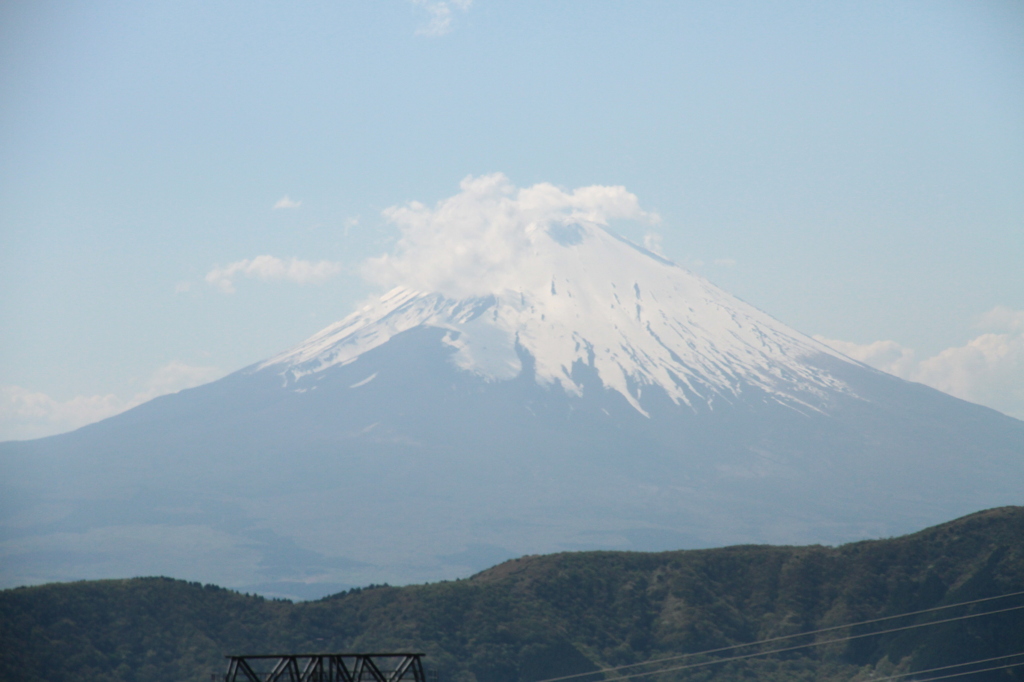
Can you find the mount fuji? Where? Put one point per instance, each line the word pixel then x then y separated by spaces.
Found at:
pixel 575 391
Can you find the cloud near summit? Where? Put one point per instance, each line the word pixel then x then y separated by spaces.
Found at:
pixel 491 236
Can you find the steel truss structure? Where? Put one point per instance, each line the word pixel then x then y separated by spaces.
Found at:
pixel 388 667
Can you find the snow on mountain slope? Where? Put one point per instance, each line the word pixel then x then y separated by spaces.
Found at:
pixel 640 321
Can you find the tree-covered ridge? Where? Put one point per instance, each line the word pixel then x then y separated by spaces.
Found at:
pixel 545 616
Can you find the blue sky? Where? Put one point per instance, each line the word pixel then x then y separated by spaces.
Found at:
pixel 853 169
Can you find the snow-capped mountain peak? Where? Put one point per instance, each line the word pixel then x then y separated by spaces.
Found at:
pixel 590 297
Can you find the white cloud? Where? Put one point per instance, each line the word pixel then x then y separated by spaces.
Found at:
pixel 725 262
pixel 272 268
pixel 175 377
pixel 286 202
pixel 652 242
pixel 350 223
pixel 440 12
pixel 32 414
pixel 483 240
pixel 887 356
pixel 988 369
pixel 1002 319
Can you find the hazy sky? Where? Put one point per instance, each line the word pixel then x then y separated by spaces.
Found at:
pixel 190 187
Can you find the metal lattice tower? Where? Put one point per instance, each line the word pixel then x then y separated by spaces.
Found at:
pixel 386 667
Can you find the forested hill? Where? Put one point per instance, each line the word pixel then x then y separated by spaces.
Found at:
pixel 544 616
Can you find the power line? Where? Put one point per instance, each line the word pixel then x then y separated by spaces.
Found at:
pixel 966 672
pixel 806 646
pixel 898 676
pixel 955 665
pixel 785 637
pixel 800 634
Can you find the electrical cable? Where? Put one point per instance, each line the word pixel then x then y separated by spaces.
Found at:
pixel 954 665
pixel 966 672
pixel 741 657
pixel 801 634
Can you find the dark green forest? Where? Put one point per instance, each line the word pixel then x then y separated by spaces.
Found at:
pixel 539 617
